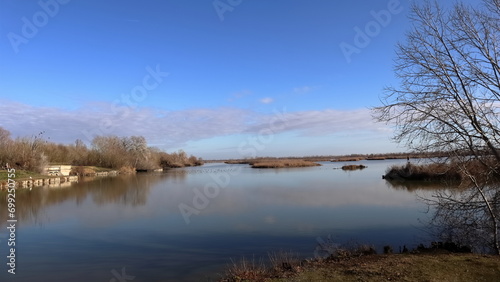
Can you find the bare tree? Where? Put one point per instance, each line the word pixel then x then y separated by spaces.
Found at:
pixel 34 153
pixel 27 153
pixel 111 151
pixel 449 97
pixel 469 213
pixel 5 147
pixel 4 136
pixel 140 154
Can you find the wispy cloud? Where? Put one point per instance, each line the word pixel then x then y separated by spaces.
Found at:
pixel 328 121
pixel 303 89
pixel 172 128
pixel 267 100
pixel 239 95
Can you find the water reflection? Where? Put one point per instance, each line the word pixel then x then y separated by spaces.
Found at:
pixel 134 221
pixel 414 186
pixel 468 217
pixel 129 190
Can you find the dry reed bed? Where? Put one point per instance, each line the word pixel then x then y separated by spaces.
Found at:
pixel 353 167
pixel 282 163
pixel 439 171
pixel 425 172
pixel 348 159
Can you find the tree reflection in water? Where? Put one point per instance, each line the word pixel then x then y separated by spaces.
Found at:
pixel 131 190
pixel 467 216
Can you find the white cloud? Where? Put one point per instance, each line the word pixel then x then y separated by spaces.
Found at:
pixel 175 128
pixel 267 100
pixel 324 122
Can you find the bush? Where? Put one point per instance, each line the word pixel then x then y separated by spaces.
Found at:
pixel 353 167
pixel 125 153
pixel 426 172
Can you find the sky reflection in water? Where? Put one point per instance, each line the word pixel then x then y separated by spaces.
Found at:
pixel 84 232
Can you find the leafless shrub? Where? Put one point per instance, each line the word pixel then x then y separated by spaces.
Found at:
pixel 127 170
pixel 284 261
pixel 34 153
pixel 245 270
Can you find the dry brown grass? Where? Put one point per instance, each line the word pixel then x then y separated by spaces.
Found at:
pixel 245 270
pixel 363 264
pixel 282 264
pixel 282 163
pixel 353 167
pixel 348 159
pixel 425 172
pixel 127 170
pixel 82 171
pixel 402 267
pixel 379 158
pixel 238 162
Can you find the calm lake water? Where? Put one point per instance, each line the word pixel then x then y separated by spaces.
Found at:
pixel 103 229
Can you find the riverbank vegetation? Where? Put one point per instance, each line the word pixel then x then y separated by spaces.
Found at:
pixel 447 100
pixel 362 264
pixel 342 158
pixel 452 171
pixel 274 162
pixel 282 163
pixel 353 167
pixel 424 172
pixel 33 154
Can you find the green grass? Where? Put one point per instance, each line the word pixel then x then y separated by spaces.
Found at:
pixel 20 175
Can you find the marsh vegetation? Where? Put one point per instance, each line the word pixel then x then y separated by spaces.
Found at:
pixel 274 162
pixel 353 167
pixel 127 154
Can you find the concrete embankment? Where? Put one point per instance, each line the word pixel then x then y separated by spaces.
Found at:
pixel 27 183
pixel 50 181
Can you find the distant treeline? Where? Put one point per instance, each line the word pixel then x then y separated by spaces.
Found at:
pixel 351 157
pixel 34 153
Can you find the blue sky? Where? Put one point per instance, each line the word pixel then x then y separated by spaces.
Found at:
pixel 219 79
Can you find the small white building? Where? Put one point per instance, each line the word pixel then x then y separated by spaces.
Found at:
pixel 58 170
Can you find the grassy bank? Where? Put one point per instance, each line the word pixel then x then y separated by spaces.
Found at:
pixel 387 267
pixel 21 175
pixel 404 267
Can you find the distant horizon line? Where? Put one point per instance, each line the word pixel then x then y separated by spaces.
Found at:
pixel 393 155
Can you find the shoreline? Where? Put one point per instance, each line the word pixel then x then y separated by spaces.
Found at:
pixel 426 264
pixel 29 183
pixel 23 183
